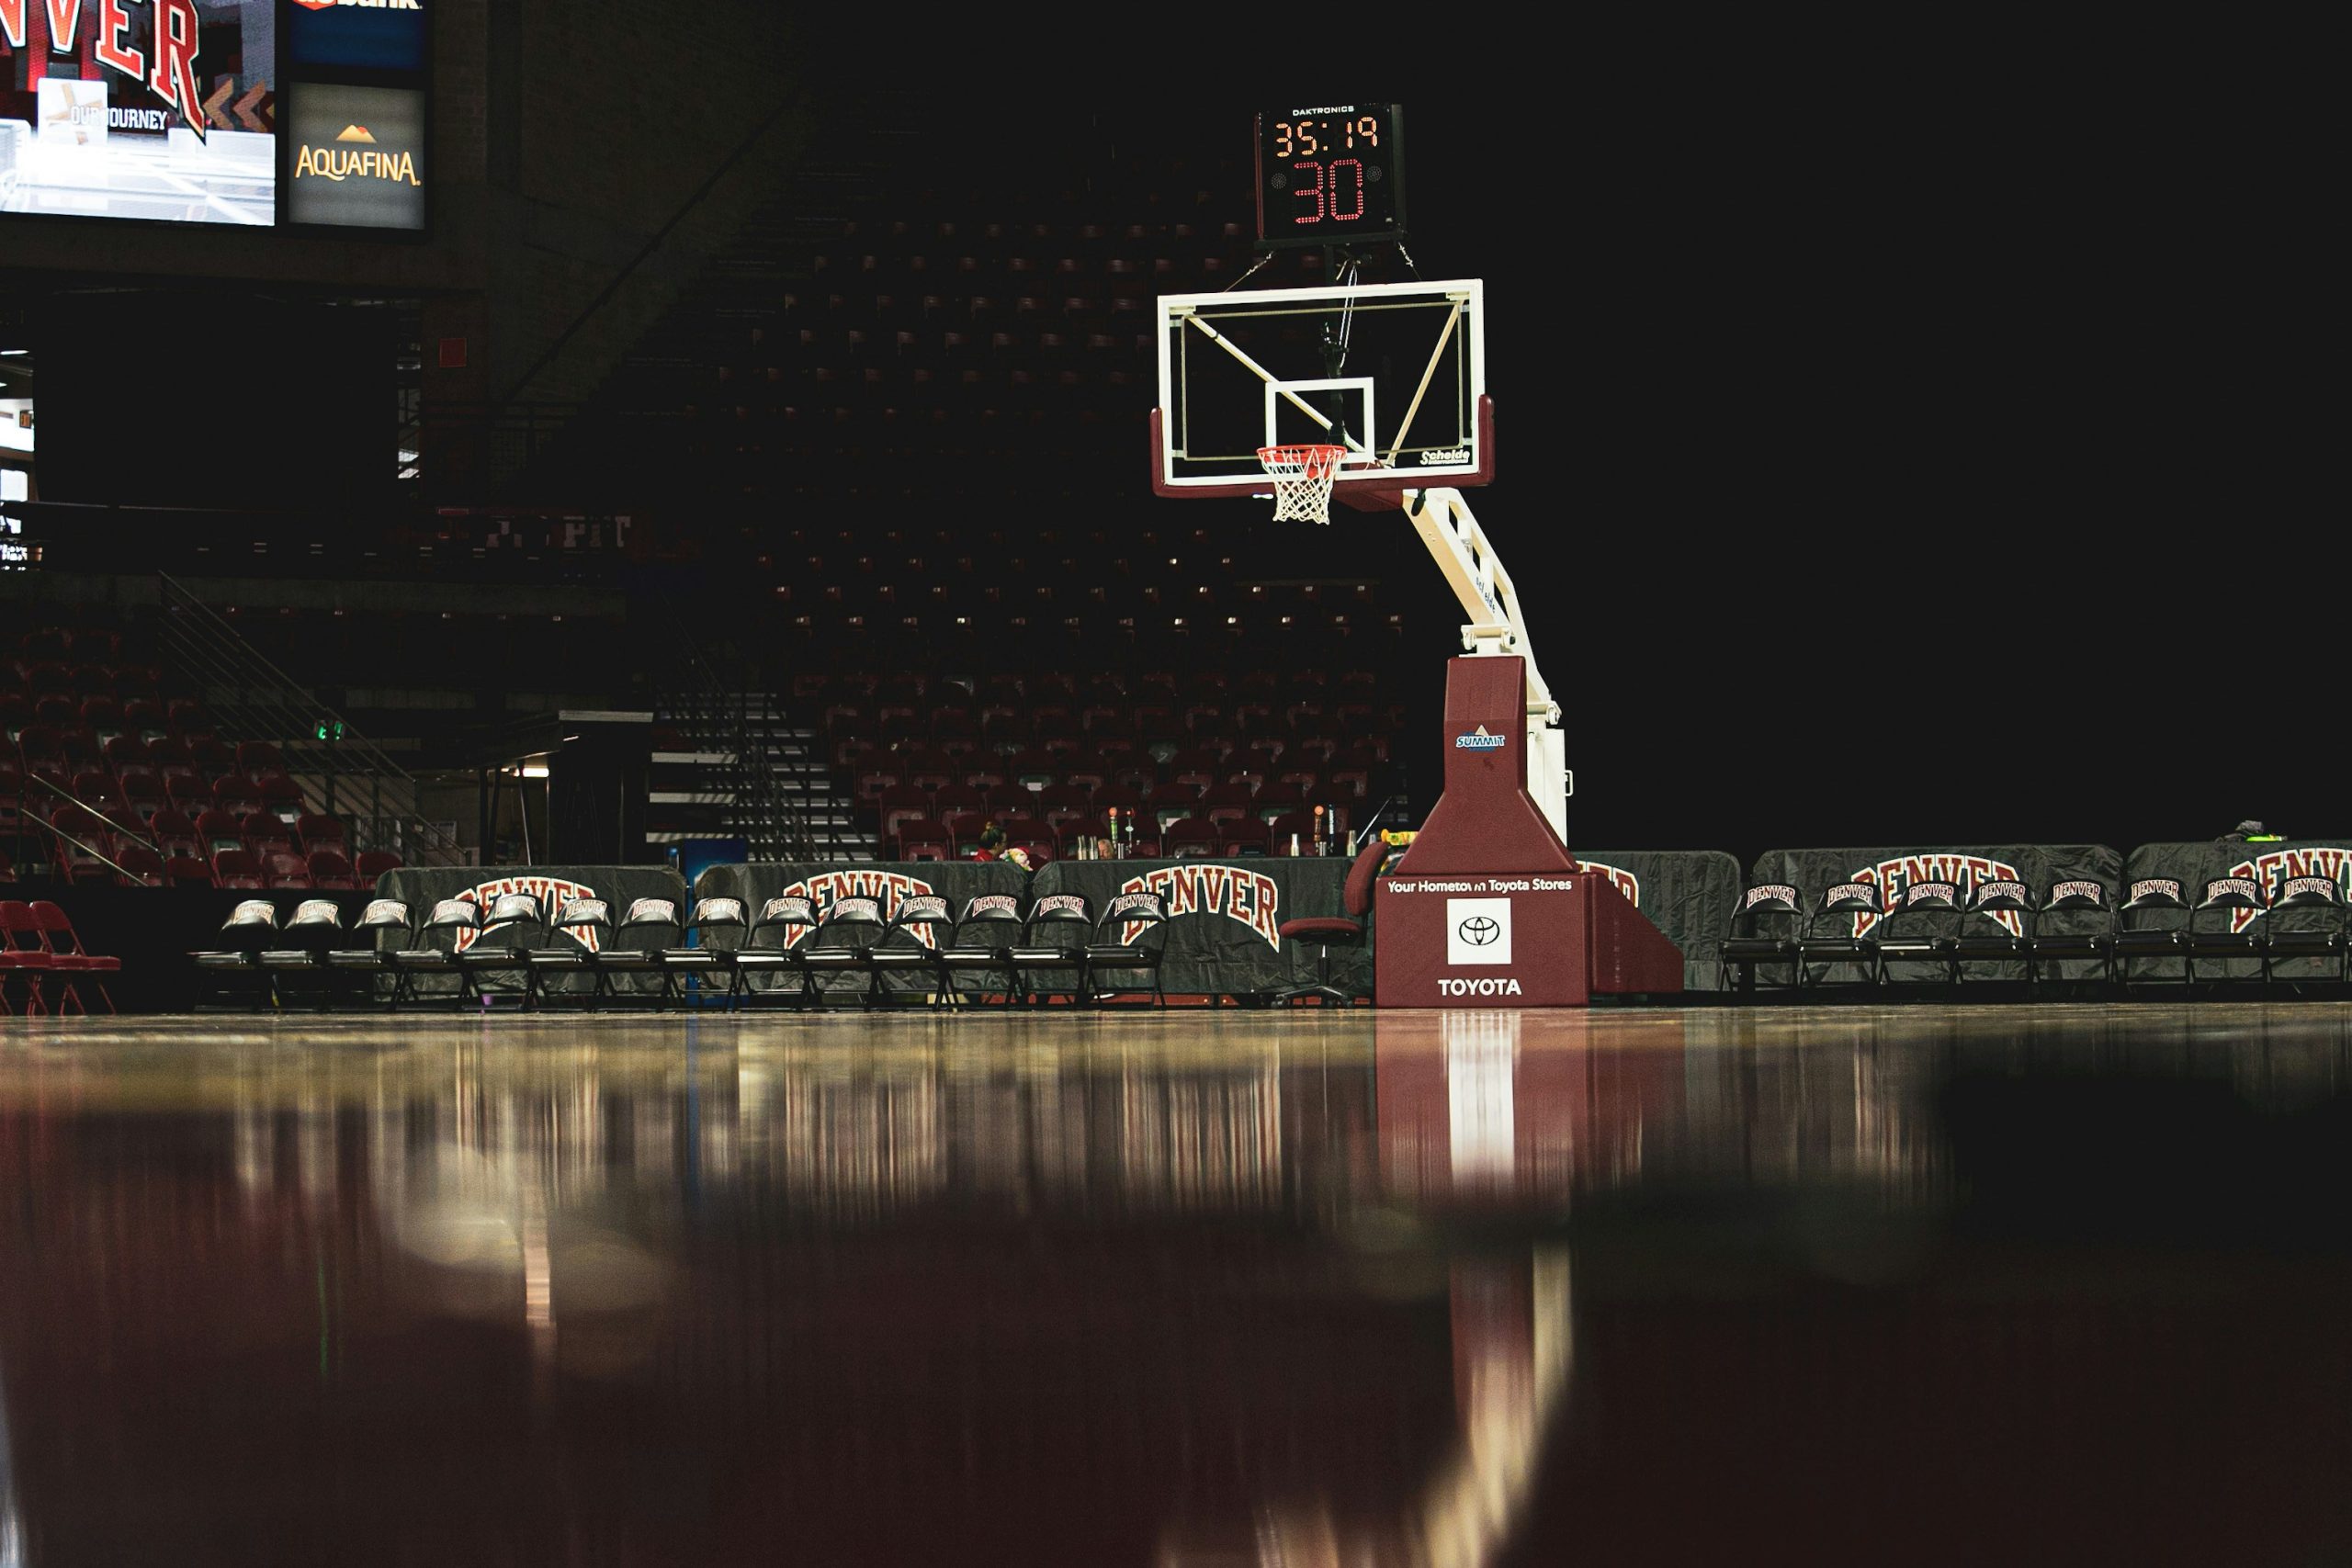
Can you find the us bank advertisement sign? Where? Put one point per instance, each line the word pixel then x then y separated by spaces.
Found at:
pixel 358 156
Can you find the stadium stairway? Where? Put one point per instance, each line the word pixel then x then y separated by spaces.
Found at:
pixel 739 767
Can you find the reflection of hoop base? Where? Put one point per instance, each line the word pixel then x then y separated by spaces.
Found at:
pixel 1301 477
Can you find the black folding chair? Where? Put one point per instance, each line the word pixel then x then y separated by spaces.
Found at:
pixel 1129 940
pixel 1750 947
pixel 982 946
pixel 233 971
pixel 913 943
pixel 2139 936
pixel 1847 902
pixel 2307 924
pixel 1054 943
pixel 708 958
pixel 1995 924
pixel 362 968
pixel 790 918
pixel 633 953
pixel 581 927
pixel 299 972
pixel 2075 924
pixel 515 925
pixel 446 921
pixel 2238 901
pixel 1922 927
pixel 841 944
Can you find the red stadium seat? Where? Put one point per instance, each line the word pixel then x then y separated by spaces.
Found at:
pixel 237 868
pixel 142 867
pixel 373 864
pixel 284 868
pixel 316 831
pixel 259 758
pixel 1194 836
pixel 332 871
pixel 217 831
pixel 921 838
pixel 189 871
pixel 899 804
pixel 1230 801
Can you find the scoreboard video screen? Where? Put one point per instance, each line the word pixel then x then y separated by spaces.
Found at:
pixel 257 113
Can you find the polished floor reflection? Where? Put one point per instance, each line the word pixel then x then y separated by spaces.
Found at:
pixel 1992 1285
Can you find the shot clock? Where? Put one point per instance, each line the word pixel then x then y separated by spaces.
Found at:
pixel 1330 173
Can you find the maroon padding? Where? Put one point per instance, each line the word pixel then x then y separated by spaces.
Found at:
pixel 1355 897
pixel 1320 925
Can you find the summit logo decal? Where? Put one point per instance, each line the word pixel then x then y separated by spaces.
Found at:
pixel 1479 740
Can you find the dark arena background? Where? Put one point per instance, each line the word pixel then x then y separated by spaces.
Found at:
pixel 675 889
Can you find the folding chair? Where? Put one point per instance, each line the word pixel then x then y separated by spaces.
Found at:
pixel 23 952
pixel 502 946
pixel 982 944
pixel 1847 901
pixel 581 927
pixel 2307 922
pixel 1909 935
pixel 2240 900
pixel 1984 938
pixel 1749 947
pixel 792 918
pixel 2087 936
pixel 913 943
pixel 2138 939
pixel 300 971
pixel 1054 941
pixel 843 943
pixel 68 957
pixel 409 965
pixel 706 959
pixel 235 968
pixel 628 952
pixel 361 967
pixel 1129 940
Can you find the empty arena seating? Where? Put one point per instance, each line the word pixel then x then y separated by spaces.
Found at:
pixel 1015 750
pixel 107 774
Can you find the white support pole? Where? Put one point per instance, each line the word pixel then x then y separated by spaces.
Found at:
pixel 1443 520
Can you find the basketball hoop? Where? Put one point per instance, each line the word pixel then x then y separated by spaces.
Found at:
pixel 1301 477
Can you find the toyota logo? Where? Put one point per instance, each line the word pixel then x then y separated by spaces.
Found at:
pixel 1479 931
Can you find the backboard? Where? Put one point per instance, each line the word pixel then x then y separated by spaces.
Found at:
pixel 1395 372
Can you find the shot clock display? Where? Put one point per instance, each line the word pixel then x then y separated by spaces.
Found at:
pixel 1332 174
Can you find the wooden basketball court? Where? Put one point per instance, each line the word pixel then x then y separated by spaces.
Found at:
pixel 1887 1284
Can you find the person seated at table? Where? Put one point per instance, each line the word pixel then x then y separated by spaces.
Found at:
pixel 993 848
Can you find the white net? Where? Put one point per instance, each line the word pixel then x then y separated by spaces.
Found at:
pixel 1301 477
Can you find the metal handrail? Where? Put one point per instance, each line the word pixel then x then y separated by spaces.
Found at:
pixel 234 665
pixel 92 851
